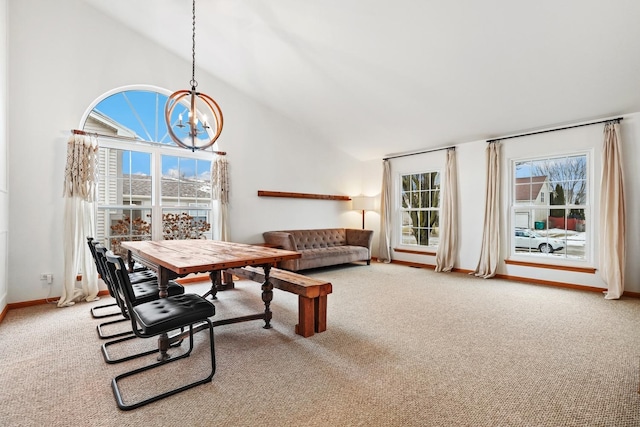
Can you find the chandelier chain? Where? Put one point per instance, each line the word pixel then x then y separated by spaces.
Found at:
pixel 200 130
pixel 193 82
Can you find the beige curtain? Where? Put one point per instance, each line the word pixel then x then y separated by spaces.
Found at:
pixel 220 197
pixel 612 214
pixel 490 251
pixel 79 192
pixel 384 245
pixel 448 246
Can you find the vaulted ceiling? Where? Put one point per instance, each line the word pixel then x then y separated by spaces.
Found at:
pixel 380 77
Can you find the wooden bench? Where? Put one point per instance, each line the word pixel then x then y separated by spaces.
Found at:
pixel 312 295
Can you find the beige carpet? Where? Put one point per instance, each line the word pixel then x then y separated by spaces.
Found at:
pixel 404 347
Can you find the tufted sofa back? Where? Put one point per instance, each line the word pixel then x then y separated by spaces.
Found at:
pixel 300 240
pixel 322 238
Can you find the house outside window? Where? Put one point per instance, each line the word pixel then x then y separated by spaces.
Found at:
pixel 148 188
pixel 420 209
pixel 555 225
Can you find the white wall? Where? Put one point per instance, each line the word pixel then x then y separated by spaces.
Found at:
pixel 471 176
pixel 4 165
pixel 65 54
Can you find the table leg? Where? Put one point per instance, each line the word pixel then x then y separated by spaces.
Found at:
pixel 215 285
pixel 163 282
pixel 130 261
pixel 163 285
pixel 267 296
pixel 227 281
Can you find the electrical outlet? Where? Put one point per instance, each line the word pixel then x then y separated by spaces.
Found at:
pixel 47 276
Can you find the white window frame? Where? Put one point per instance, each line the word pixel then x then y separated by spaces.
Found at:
pixel 587 206
pixel 156 150
pixel 401 211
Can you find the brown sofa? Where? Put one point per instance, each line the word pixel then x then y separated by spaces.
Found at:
pixel 322 247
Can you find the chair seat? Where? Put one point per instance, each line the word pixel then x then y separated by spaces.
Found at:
pixel 172 313
pixel 148 291
pixel 142 276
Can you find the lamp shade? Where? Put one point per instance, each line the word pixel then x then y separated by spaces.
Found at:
pixel 363 203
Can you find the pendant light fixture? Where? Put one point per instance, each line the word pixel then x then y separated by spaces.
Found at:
pixel 191 116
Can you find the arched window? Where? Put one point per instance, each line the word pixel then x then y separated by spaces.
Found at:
pixel 148 188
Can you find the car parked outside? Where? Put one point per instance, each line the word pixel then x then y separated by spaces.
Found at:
pixel 529 239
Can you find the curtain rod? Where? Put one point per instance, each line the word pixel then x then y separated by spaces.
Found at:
pixel 128 138
pixel 419 152
pixel 617 119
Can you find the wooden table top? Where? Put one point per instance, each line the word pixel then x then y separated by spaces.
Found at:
pixel 194 256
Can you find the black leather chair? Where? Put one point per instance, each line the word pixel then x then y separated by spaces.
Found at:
pixel 141 275
pixel 145 285
pixel 158 317
pixel 94 310
pixel 143 292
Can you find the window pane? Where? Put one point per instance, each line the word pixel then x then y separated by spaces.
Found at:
pixel 140 163
pixel 137 113
pixel 124 224
pixel 435 199
pixel 185 181
pixel 408 236
pixel 523 169
pixel 425 200
pixel 523 191
pixel 406 183
pixel 405 200
pixel 186 224
pixel 434 228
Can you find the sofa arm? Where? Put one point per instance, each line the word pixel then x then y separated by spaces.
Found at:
pixel 280 239
pixel 358 237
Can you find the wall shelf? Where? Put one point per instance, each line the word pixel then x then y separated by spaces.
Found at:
pixel 263 193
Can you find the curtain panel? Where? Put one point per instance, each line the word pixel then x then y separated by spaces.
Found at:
pixel 612 214
pixel 490 250
pixel 220 197
pixel 79 194
pixel 384 245
pixel 448 247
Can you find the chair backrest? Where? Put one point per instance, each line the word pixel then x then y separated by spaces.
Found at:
pixel 110 279
pixel 119 275
pixel 92 248
pixel 101 264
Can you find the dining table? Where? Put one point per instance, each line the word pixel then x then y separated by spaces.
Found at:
pixel 171 259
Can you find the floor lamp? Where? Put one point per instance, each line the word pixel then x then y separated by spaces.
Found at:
pixel 363 203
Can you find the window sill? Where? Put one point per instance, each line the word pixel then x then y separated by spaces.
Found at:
pixel 412 251
pixel 588 270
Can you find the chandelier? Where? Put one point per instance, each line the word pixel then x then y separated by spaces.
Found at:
pixel 193 131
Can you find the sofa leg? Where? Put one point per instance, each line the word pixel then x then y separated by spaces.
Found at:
pixel 368 262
